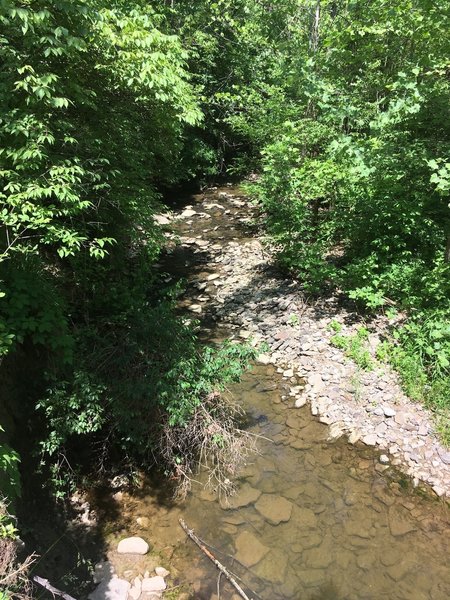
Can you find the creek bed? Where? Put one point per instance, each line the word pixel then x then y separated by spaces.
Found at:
pixel 313 518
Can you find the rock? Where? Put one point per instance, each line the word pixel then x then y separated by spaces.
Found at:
pixel 389 412
pixel 263 359
pixel 162 572
pixel 273 566
pixel 275 509
pixel 444 455
pixel 400 569
pixel 245 495
pixel 153 584
pixel 132 545
pixel 384 459
pixel 143 522
pixel 134 592
pixel 111 589
pixel 161 219
pixel 320 557
pixel 336 431
pixel 358 529
pixel 365 560
pixel 187 213
pixel 103 570
pixel 400 522
pixel 370 439
pixel 249 550
pixel 300 402
pixel 354 437
pixel 305 517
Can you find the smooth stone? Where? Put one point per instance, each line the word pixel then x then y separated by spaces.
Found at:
pixel 320 557
pixel 370 439
pixel 249 550
pixel 275 509
pixel 162 572
pixel 305 517
pixel 103 570
pixel 273 566
pixel 187 213
pixel 245 495
pixel 389 412
pixel 132 545
pixel 384 459
pixel 300 402
pixel 111 589
pixel 153 584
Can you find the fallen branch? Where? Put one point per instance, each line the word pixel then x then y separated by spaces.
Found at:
pixel 48 586
pixel 211 557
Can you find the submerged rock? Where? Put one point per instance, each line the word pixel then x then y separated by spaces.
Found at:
pixel 275 509
pixel 246 495
pixel 400 522
pixel 249 550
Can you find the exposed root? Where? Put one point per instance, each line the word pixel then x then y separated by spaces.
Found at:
pixel 209 441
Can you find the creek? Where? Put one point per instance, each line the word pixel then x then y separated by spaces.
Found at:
pixel 313 518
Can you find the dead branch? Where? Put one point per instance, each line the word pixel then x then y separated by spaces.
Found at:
pixel 211 557
pixel 48 586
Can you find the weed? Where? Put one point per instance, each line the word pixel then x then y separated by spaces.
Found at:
pixel 355 347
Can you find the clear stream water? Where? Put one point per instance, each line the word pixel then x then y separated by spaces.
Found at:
pixel 313 519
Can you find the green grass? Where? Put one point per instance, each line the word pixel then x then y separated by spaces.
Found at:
pixel 354 346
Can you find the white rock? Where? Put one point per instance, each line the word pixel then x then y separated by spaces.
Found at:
pixel 389 412
pixel 103 570
pixel 188 212
pixel 384 459
pixel 161 219
pixel 134 593
pixel 161 571
pixel 153 584
pixel 111 589
pixel 300 402
pixel 132 545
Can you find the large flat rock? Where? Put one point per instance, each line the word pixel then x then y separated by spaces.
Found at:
pixel 249 550
pixel 111 589
pixel 275 509
pixel 246 495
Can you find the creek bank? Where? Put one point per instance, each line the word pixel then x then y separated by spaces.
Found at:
pixel 350 522
pixel 128 574
pixel 241 289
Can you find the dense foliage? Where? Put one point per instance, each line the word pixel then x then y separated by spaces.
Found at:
pixel 98 112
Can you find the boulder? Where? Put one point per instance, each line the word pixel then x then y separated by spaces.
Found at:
pixel 132 545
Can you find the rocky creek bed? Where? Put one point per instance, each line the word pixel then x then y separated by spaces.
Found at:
pixel 346 498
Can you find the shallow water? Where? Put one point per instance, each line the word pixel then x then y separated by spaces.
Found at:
pixel 312 519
